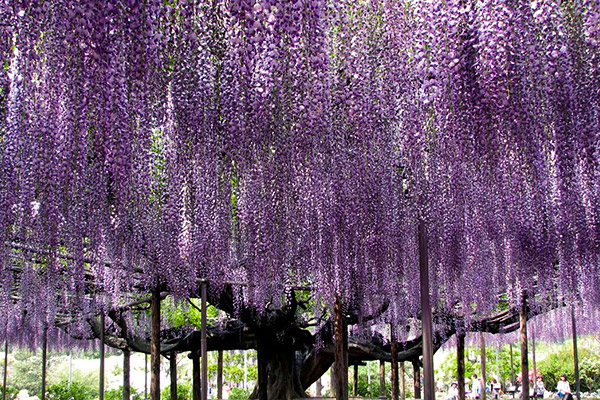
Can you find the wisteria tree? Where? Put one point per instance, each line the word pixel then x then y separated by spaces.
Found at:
pixel 147 146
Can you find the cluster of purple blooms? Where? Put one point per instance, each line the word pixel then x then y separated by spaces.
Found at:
pixel 280 142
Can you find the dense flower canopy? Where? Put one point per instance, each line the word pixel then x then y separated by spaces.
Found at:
pixel 298 142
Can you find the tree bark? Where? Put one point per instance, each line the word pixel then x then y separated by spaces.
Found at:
pixel 155 347
pixel 483 361
pixel 126 375
pixel 263 377
pixel 173 375
pixel 575 355
pixel 220 374
pixel 417 378
pixel 460 364
pixel 278 374
pixel 428 378
pixel 524 358
pixel 318 388
pixel 341 352
pixel 382 378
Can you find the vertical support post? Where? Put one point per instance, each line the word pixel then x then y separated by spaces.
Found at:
pixel 196 387
pixel 245 371
pixel 394 368
pixel 368 373
pixel 5 364
pixel 318 388
pixel 355 381
pixel 44 360
pixel 402 382
pixel 428 379
pixel 145 376
pixel 203 347
pixel 101 378
pixel 126 374
pixel 341 352
pixel 173 375
pixel 497 364
pixel 417 378
pixel 220 373
pixel 512 366
pixel 382 378
pixel 524 358
pixel 483 360
pixel 460 364
pixel 155 347
pixel 575 355
pixel 70 367
pixel 533 357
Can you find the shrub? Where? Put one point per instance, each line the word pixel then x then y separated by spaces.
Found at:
pixel 117 394
pixel 184 392
pixel 238 394
pixel 74 391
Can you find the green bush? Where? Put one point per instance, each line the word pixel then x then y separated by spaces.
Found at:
pixel 11 392
pixel 238 394
pixel 117 394
pixel 74 391
pixel 184 392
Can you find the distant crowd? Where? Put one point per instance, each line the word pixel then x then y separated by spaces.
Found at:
pixel 563 389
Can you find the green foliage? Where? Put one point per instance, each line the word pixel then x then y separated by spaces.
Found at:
pixel 238 394
pixel 184 392
pixel 117 394
pixel 74 391
pixel 448 368
pixel 184 314
pixel 11 391
pixel 26 372
pixel 561 361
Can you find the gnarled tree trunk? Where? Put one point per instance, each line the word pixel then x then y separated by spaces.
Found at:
pixel 282 373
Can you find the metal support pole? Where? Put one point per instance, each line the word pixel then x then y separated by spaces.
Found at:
pixel 220 373
pixel 460 364
pixel 382 378
pixel 524 358
pixel 101 378
pixel 341 352
pixel 44 360
pixel 575 355
pixel 155 347
pixel 428 378
pixel 5 365
pixel 173 375
pixel 483 360
pixel 203 347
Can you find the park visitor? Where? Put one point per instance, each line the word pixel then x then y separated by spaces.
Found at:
pixel 539 387
pixel 453 392
pixel 475 387
pixel 563 388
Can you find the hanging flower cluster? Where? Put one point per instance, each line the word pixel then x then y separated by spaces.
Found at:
pixel 275 143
